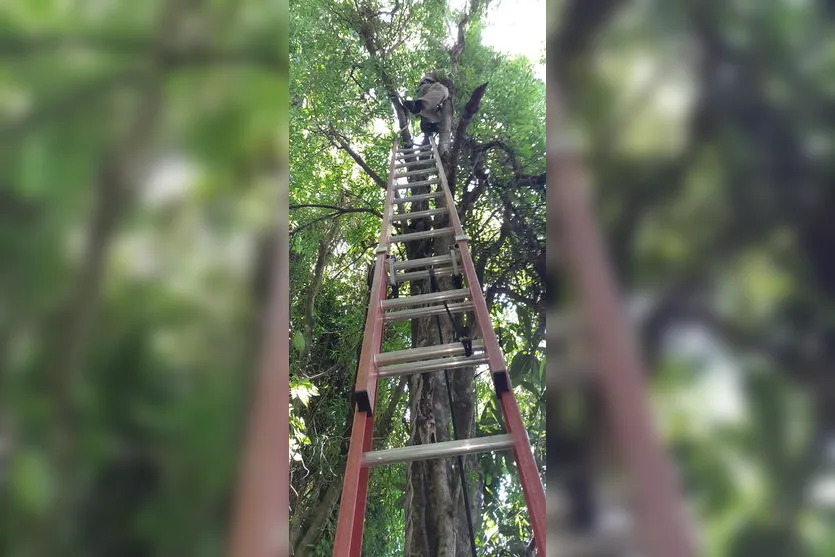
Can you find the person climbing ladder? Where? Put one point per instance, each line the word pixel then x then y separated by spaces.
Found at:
pixel 429 97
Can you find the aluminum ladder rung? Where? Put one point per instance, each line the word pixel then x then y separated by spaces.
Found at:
pixel 420 197
pixel 417 184
pixel 416 159
pixel 419 214
pixel 421 275
pixel 413 313
pixel 422 262
pixel 422 148
pixel 413 160
pixel 422 154
pixel 432 297
pixel 424 353
pixel 412 236
pixel 438 364
pixel 428 163
pixel 421 172
pixel 443 449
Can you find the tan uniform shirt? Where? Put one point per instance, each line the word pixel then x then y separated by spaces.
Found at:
pixel 432 95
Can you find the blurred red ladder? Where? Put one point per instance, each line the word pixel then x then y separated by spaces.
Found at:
pixel 422 163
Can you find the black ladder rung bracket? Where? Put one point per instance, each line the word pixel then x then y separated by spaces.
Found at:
pixel 457 278
pixel 467 343
pixel 392 277
pixel 363 402
pixel 500 382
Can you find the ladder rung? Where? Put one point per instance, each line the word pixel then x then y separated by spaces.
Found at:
pixel 420 197
pixel 429 163
pixel 420 172
pixel 414 149
pixel 422 262
pixel 417 184
pixel 413 313
pixel 420 275
pixel 424 353
pixel 411 236
pixel 417 157
pixel 443 449
pixel 422 153
pixel 419 214
pixel 432 297
pixel 439 364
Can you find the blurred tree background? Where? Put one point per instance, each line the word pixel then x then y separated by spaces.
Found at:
pixel 139 150
pixel 708 128
pixel 138 170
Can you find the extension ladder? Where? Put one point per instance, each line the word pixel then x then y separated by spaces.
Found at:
pixel 422 163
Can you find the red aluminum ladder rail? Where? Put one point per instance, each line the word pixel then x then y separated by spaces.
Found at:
pixel 373 365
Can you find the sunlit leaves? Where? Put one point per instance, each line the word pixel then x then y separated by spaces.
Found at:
pixel 298 341
pixel 31 481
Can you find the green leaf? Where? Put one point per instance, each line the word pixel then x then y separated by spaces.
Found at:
pixel 31 482
pixel 521 366
pixel 303 391
pixel 298 341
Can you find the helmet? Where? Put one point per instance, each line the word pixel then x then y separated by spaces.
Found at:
pixel 431 77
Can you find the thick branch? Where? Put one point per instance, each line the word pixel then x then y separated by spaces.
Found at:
pixel 339 210
pixel 470 110
pixel 534 305
pixel 342 143
pixel 458 47
pixel 367 35
pixel 323 253
pixel 508 150
pixel 532 181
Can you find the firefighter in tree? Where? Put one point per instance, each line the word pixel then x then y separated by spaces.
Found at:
pixel 429 97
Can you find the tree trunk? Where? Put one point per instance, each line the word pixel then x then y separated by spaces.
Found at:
pixel 436 522
pixel 323 254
